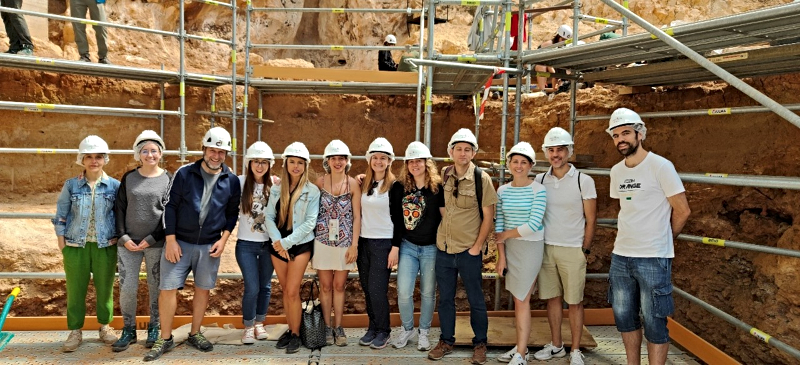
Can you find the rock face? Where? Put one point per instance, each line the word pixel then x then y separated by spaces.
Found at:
pixel 761 289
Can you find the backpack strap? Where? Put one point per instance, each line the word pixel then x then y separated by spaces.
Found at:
pixel 479 189
pixel 579 184
pixel 447 174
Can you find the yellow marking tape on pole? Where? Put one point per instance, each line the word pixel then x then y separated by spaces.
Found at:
pixel 335 84
pixel 719 111
pixel 470 2
pixel 182 89
pixel 210 3
pixel 508 21
pixel 625 4
pixel 41 150
pixel 716 174
pixel 208 78
pixel 728 58
pixel 249 3
pixel 142 275
pixel 233 55
pixel 89 22
pixel 542 74
pixel 207 39
pixel 760 334
pixel 162 104
pixel 337 11
pixel 466 58
pixel 480 25
pixel 46 106
pixel 448 159
pixel 337 48
pixel 234 145
pixel 669 32
pixel 489 275
pixel 213 108
pixel 428 91
pixel 601 20
pixel 42 60
pixel 568 41
pixel 714 241
pixel 260 114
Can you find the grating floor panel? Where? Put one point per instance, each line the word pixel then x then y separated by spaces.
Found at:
pixel 45 348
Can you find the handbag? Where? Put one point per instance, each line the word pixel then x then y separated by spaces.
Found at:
pixel 312 326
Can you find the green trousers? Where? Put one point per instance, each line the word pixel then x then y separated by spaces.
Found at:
pixel 80 264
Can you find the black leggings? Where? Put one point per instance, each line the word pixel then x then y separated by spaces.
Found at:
pixel 373 256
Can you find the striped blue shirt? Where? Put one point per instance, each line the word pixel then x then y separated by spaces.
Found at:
pixel 522 208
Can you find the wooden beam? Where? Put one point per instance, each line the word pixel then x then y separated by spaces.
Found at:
pixel 334 74
pixel 628 90
pixel 696 345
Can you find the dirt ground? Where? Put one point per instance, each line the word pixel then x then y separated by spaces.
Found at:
pixel 758 288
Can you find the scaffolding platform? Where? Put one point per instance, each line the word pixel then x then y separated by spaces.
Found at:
pixel 44 347
pixel 759 26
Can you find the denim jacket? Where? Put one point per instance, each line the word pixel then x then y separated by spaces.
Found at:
pixel 73 208
pixel 304 216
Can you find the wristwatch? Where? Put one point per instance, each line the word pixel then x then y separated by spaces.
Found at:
pixel 586 251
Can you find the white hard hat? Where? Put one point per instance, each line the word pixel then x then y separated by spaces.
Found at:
pixel 522 148
pixel 146 135
pixel 336 148
pixel 417 150
pixel 557 137
pixel 625 116
pixel 381 145
pixel 463 135
pixel 391 39
pixel 565 31
pixel 259 150
pixel 296 149
pixel 92 144
pixel 217 137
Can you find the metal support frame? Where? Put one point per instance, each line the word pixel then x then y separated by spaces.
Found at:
pixel 698 112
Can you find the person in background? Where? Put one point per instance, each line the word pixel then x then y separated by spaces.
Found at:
pixel 19 38
pixel 385 60
pixel 563 34
pixel 97 11
pixel 87 237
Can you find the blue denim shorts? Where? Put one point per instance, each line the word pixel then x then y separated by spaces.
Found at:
pixel 195 259
pixel 641 286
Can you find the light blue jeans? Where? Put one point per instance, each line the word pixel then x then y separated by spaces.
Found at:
pixel 416 260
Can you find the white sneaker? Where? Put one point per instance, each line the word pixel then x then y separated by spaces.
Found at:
pixel 260 332
pixel 402 338
pixel 73 341
pixel 106 334
pixel 576 357
pixel 422 341
pixel 549 351
pixel 506 357
pixel 517 360
pixel 248 336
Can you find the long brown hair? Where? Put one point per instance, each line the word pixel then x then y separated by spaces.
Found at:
pixel 249 188
pixel 432 178
pixel 288 197
pixel 369 178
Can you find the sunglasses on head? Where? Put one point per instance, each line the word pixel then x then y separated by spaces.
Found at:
pixel 455 186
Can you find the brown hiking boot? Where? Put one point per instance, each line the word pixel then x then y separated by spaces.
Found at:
pixel 479 354
pixel 442 348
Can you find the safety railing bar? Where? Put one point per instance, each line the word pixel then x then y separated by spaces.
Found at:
pixel 89 22
pixel 80 109
pixel 339 10
pixel 217 3
pixel 468 2
pixel 209 39
pixel 599 20
pixel 49 151
pixel 607 29
pixel 468 66
pixel 332 47
pixel 697 112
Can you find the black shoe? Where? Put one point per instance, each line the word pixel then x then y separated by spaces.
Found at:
pixel 294 344
pixel 127 338
pixel 152 335
pixel 105 61
pixel 161 347
pixel 367 339
pixel 11 51
pixel 200 342
pixel 283 341
pixel 85 58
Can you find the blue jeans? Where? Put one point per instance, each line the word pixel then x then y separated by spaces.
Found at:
pixel 641 284
pixel 416 259
pixel 448 268
pixel 256 266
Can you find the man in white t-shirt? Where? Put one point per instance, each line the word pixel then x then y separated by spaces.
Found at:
pixel 570 218
pixel 653 211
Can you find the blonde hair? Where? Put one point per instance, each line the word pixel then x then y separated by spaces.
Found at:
pixel 432 178
pixel 289 198
pixel 369 178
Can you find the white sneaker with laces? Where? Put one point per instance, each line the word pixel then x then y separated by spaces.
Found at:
pixel 549 351
pixel 260 332
pixel 517 360
pixel 506 357
pixel 402 338
pixel 106 334
pixel 422 341
pixel 248 336
pixel 576 357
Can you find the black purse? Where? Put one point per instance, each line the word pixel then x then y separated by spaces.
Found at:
pixel 312 326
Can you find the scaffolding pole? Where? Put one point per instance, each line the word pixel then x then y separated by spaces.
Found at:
pixel 518 92
pixel 340 10
pixel 90 110
pixel 182 80
pixel 246 92
pixel 699 112
pixel 213 113
pixel 420 75
pixel 598 20
pixel 467 66
pixel 72 151
pixel 260 112
pixel 708 65
pixel 233 88
pixel 429 79
pixel 333 47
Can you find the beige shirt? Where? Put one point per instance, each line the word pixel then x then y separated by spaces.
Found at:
pixel 461 222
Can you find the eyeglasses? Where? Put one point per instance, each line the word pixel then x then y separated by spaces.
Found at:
pixel 261 162
pixel 372 188
pixel 150 152
pixel 455 187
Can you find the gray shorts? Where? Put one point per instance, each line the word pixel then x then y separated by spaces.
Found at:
pixel 195 259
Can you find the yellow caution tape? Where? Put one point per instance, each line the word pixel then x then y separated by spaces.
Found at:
pixel 233 55
pixel 470 2
pixel 728 58
pixel 337 11
pixel 162 104
pixel 508 21
pixel 625 4
pixel 234 144
pixel 213 108
pixel 89 22
pixel 601 20
pixel 260 114
pixel 719 111
pixel 43 60
pixel 714 241
pixel 46 106
pixel 182 89
pixel 542 74
pixel 760 334
pixel 337 48
pixel 428 91
pixel 669 32
pixel 466 58
pixel 716 174
pixel 208 78
pixel 335 84
pixel 42 150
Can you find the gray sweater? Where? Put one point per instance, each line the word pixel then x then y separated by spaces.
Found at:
pixel 139 207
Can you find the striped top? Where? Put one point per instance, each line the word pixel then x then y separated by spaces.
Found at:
pixel 522 208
